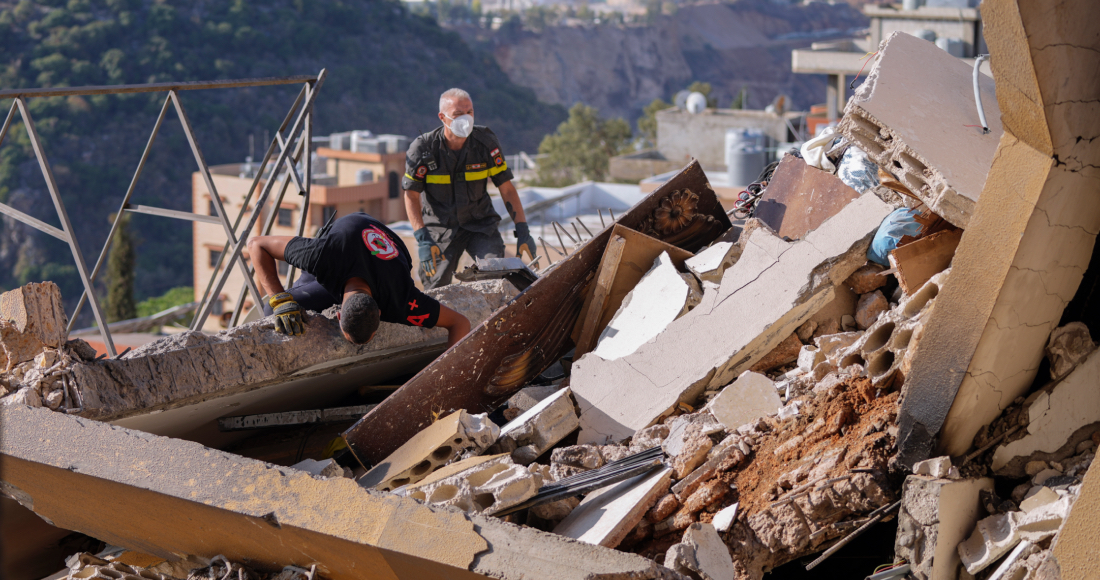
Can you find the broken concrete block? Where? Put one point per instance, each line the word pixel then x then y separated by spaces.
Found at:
pixel 528 397
pixel 25 396
pixel 431 449
pixel 1068 346
pixel 479 485
pixel 54 399
pixel 556 511
pixel 666 506
pixel 867 278
pixel 1041 477
pixel 772 289
pixel 322 468
pixel 709 264
pixel 745 400
pixel 993 538
pixel 32 318
pixel 681 428
pixel 725 456
pixel 1032 468
pixel 608 514
pixel 808 358
pixel 707 494
pixel 935 516
pixel 723 520
pixel 543 425
pixel 885 349
pixel 869 307
pixel 832 347
pixel 568 461
pixel 1059 418
pixel 786 352
pixel 806 331
pixel 690 453
pixel 938 158
pixel 937 467
pixel 648 438
pixel 1040 498
pixel 652 305
pixel 703 553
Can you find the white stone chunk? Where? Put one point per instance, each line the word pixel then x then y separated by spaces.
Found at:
pixel 725 517
pixel 937 467
pixel 608 514
pixel 703 552
pixel 1040 498
pixel 745 400
pixel 808 358
pixel 993 538
pixel 543 425
pixel 652 305
pixel 711 263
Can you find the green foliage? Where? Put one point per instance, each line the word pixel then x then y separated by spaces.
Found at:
pixel 581 147
pixel 739 100
pixel 174 297
pixel 537 18
pixel 120 275
pixel 647 123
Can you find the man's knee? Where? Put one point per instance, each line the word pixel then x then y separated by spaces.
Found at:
pixel 487 246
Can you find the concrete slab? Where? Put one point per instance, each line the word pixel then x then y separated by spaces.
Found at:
pixel 915 116
pixel 773 288
pixel 709 264
pixel 936 515
pixel 1074 549
pixel 745 400
pixel 105 481
pixel 1058 420
pixel 647 310
pixel 607 515
pixel 1029 242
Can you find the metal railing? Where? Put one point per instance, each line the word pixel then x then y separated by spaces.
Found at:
pixel 299 134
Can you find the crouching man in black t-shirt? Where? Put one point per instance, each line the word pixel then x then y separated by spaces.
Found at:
pixel 359 264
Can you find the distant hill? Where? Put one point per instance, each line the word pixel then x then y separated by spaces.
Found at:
pixel 619 69
pixel 386 69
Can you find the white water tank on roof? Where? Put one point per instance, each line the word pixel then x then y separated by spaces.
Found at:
pixel 746 155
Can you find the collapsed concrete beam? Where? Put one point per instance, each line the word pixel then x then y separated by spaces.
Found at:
pixel 915 116
pixel 774 288
pixel 106 481
pixel 1029 241
pixel 936 515
pixel 190 367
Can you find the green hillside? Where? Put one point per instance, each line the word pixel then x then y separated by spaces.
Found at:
pixel 386 68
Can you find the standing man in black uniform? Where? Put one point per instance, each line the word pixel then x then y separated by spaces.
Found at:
pixel 446 175
pixel 359 264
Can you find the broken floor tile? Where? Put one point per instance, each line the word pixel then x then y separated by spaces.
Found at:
pixel 431 449
pixel 745 400
pixel 607 515
pixel 773 289
pixel 652 305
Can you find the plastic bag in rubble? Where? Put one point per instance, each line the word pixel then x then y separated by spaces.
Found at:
pixel 813 151
pixel 857 171
pixel 900 222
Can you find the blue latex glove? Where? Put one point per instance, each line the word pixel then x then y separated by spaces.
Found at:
pixel 899 223
pixel 430 254
pixel 524 241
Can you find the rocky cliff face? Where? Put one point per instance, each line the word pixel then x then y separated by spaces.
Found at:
pixel 620 69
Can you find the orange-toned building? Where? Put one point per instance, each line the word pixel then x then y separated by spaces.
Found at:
pixel 358 172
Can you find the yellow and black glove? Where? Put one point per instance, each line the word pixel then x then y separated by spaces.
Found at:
pixel 524 241
pixel 429 252
pixel 288 315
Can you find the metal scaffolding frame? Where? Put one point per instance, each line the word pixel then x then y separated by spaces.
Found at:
pixel 298 139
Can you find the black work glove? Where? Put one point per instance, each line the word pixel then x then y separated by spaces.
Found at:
pixel 430 254
pixel 524 241
pixel 288 315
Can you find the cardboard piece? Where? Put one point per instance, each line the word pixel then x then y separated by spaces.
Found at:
pixel 918 261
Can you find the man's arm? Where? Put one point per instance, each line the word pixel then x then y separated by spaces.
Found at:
pixel 511 201
pixel 412 208
pixel 456 324
pixel 264 250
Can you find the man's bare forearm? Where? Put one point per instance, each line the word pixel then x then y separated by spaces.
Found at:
pixel 263 250
pixel 510 195
pixel 412 208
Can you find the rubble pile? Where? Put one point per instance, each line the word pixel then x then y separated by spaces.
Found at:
pixel 680 397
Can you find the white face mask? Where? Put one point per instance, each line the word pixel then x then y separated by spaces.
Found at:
pixel 461 125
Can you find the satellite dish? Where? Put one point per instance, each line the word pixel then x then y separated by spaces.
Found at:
pixel 680 100
pixel 696 103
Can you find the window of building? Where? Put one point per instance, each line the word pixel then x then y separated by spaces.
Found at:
pixel 217 308
pixel 286 217
pixel 214 255
pixel 212 210
pixel 395 185
pixel 283 267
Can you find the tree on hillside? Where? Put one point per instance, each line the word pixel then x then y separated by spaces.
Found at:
pixel 647 123
pixel 581 147
pixel 120 275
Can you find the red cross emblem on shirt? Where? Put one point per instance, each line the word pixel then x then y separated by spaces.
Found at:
pixel 412 305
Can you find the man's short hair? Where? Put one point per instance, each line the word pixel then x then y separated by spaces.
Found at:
pixel 359 317
pixel 452 95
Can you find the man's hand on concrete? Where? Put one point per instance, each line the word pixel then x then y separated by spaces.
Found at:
pixel 430 254
pixel 288 315
pixel 524 241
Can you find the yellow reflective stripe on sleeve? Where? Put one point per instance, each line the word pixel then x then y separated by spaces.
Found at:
pixel 501 169
pixel 439 179
pixel 476 175
pixel 413 178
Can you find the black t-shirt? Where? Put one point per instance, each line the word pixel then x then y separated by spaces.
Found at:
pixel 359 246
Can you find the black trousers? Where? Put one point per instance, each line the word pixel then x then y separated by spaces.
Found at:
pixel 309 294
